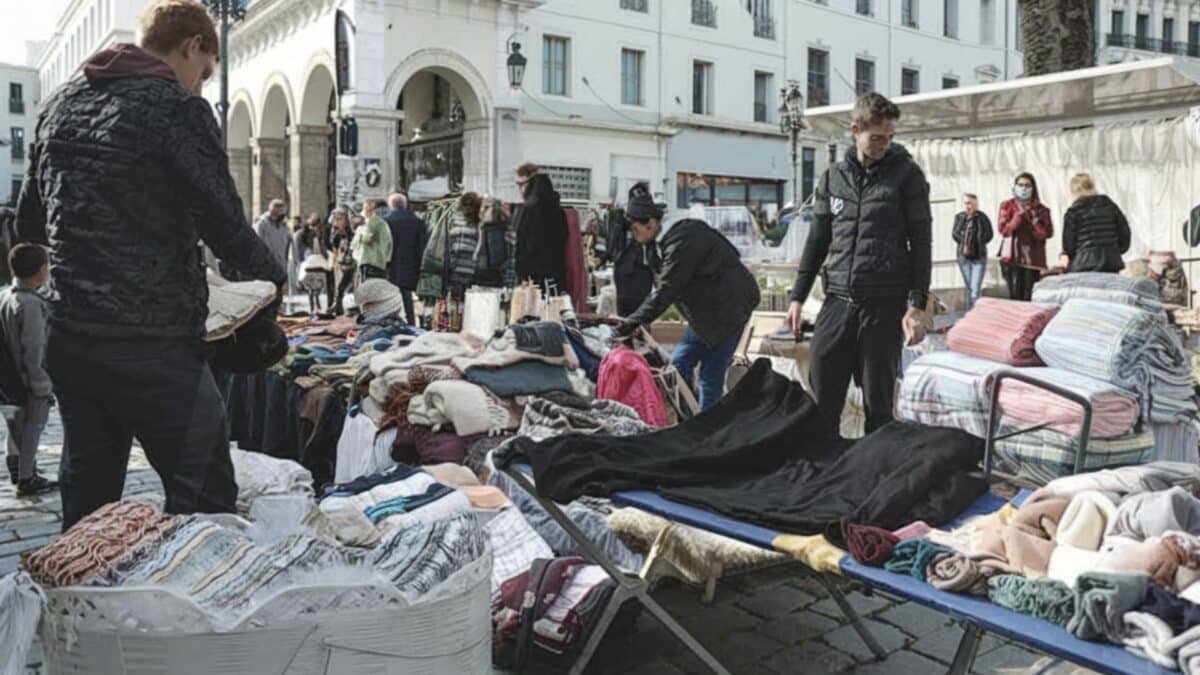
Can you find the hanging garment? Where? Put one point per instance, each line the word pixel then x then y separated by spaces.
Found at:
pixel 763 455
pixel 576 269
pixel 464 239
pixel 625 376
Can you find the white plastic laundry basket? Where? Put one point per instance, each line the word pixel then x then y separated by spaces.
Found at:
pixel 112 631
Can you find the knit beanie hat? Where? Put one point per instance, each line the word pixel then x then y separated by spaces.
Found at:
pixel 376 297
pixel 641 205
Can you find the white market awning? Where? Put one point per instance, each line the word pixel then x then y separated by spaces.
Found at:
pixel 1160 87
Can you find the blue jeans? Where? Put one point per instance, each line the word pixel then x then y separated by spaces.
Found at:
pixel 972 274
pixel 713 364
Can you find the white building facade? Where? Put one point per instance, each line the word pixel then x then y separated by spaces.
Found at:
pixel 18 117
pixel 85 27
pixel 682 94
pixel 1130 30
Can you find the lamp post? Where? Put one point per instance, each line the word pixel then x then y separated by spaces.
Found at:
pixel 225 11
pixel 516 65
pixel 791 121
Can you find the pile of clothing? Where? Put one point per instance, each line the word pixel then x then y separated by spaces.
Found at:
pixel 1112 555
pixel 1108 342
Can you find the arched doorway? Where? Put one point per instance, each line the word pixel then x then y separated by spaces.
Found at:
pixel 443 140
pixel 241 130
pixel 312 170
pixel 271 162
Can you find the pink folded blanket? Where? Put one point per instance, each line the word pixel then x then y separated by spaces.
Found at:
pixel 1001 330
pixel 1114 410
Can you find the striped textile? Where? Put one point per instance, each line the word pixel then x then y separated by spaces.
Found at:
pixel 1041 456
pixel 1126 346
pixel 1176 442
pixel 1001 330
pixel 1137 292
pixel 1114 410
pixel 948 389
pixel 418 558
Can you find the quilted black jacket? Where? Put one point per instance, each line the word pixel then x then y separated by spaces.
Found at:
pixel 1095 234
pixel 126 176
pixel 871 231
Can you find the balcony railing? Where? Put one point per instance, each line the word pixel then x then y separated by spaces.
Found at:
pixel 764 27
pixel 16 106
pixel 636 5
pixel 704 13
pixel 1152 45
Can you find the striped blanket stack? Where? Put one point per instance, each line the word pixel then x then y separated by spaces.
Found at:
pixel 1132 291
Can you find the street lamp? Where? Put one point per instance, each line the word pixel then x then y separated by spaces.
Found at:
pixel 225 11
pixel 516 66
pixel 791 121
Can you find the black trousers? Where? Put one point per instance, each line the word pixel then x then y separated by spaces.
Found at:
pixel 407 295
pixel 1020 282
pixel 859 339
pixel 343 287
pixel 330 289
pixel 160 392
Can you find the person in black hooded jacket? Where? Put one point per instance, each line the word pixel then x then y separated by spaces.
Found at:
pixel 702 275
pixel 1095 232
pixel 871 240
pixel 126 176
pixel 541 229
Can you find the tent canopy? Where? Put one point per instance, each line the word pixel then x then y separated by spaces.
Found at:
pixel 1160 87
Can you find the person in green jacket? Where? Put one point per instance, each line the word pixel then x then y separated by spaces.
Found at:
pixel 372 243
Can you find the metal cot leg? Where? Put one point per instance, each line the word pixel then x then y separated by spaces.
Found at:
pixel 964 657
pixel 855 620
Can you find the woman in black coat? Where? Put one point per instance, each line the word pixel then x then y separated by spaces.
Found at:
pixel 541 235
pixel 1095 232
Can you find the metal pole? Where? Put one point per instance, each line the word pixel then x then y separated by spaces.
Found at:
pixel 223 105
pixel 795 169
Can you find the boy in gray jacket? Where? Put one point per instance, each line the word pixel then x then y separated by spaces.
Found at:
pixel 23 319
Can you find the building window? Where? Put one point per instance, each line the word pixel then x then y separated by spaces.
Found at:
pixel 764 84
pixel 987 22
pixel 1118 22
pixel 864 7
pixel 1193 42
pixel 808 171
pixel 16 98
pixel 1018 31
pixel 693 188
pixel 1141 35
pixel 818 77
pixel 1168 34
pixel 910 81
pixel 573 183
pixel 704 13
pixel 18 143
pixel 631 76
pixel 702 87
pixel 636 5
pixel 554 65
pixel 864 76
pixel 949 82
pixel 764 20
pixel 950 20
pixel 908 13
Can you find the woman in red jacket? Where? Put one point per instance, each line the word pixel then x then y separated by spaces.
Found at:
pixel 1026 220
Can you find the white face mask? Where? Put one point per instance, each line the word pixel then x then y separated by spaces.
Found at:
pixel 1022 193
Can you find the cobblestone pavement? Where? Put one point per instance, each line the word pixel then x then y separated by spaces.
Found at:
pixel 771 621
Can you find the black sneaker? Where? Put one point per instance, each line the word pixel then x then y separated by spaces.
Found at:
pixel 14 468
pixel 35 486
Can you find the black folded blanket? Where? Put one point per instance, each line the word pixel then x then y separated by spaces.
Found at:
pixel 763 455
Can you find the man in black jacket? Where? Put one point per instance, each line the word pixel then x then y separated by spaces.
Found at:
pixel 126 176
pixel 702 275
pixel 871 232
pixel 541 227
pixel 409 236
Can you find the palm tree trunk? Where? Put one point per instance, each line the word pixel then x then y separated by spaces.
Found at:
pixel 1057 35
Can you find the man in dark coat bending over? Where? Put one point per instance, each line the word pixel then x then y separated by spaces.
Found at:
pixel 127 175
pixel 870 231
pixel 703 275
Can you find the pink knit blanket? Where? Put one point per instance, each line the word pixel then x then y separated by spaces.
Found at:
pixel 625 377
pixel 1001 330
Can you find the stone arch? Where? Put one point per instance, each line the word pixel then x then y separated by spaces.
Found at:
pixel 240 134
pixel 241 120
pixel 277 107
pixel 451 65
pixel 314 106
pixel 310 169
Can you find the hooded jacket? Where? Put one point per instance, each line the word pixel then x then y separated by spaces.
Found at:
pixel 870 231
pixel 126 176
pixel 1095 234
pixel 541 234
pixel 702 275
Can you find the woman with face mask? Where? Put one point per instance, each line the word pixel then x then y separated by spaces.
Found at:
pixel 1026 225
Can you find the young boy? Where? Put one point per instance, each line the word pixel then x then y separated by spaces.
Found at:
pixel 23 319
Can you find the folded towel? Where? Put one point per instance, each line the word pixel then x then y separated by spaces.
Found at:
pixel 913 557
pixel 1044 599
pixel 1101 602
pixel 958 574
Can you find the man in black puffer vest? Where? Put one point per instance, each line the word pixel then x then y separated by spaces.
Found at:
pixel 703 275
pixel 127 175
pixel 871 234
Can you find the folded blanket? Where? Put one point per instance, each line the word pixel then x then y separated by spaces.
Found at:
pixel 1029 538
pixel 913 557
pixel 869 545
pixel 1151 638
pixel 1139 292
pixel 260 475
pixel 1042 456
pixel 1127 480
pixel 1001 330
pixel 1102 600
pixel 1153 514
pixel 468 407
pixel 947 389
pixel 1044 599
pixel 813 550
pixel 1114 410
pixel 429 348
pixel 527 378
pixel 1128 347
pixel 514 546
pixel 1086 519
pixel 544 418
pixel 958 574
